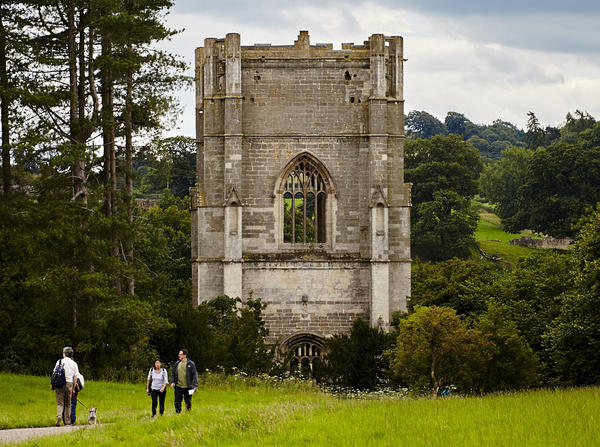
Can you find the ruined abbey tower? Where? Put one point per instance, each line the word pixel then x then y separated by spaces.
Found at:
pixel 300 195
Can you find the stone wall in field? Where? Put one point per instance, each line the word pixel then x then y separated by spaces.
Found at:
pixel 547 242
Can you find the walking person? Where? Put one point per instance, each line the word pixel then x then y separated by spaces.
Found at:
pixel 79 384
pixel 65 392
pixel 156 386
pixel 184 378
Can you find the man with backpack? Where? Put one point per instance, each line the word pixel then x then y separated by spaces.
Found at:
pixel 63 383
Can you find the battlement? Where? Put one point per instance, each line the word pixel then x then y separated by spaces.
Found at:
pixel 302 49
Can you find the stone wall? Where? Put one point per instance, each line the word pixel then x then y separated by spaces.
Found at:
pixel 547 242
pixel 317 297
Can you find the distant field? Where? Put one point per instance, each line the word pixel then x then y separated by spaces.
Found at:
pixel 495 242
pixel 489 228
pixel 509 253
pixel 238 412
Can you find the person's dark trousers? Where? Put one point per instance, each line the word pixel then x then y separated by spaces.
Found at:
pixel 185 393
pixel 74 406
pixel 160 397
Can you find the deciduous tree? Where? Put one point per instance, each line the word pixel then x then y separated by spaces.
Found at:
pixel 435 348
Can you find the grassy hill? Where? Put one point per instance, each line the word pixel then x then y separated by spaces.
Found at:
pixel 230 411
pixel 494 241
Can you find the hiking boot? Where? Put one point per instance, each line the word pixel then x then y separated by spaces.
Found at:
pixel 58 421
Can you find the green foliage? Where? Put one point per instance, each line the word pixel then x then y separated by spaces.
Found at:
pixel 501 182
pixel 573 340
pixel 444 227
pixel 490 140
pixel 459 284
pixel 575 125
pixel 561 186
pixel 423 125
pixel 535 136
pixel 167 164
pixel 548 189
pixel 456 123
pixel 56 266
pixel 442 163
pixel 435 348
pixel 532 293
pixel 220 334
pixel 241 335
pixel 513 308
pixel 356 360
pixel 444 171
pixel 591 137
pixel 511 363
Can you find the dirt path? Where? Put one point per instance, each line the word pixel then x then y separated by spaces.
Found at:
pixel 23 434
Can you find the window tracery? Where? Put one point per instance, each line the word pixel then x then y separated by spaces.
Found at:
pixel 304 200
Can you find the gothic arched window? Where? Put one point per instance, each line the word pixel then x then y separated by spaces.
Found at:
pixel 304 199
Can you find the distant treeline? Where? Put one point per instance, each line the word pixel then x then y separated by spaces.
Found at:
pixel 492 139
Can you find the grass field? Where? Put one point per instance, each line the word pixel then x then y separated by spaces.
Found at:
pixel 495 242
pixel 248 412
pixel 489 228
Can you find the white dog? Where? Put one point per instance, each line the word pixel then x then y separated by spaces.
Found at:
pixel 92 418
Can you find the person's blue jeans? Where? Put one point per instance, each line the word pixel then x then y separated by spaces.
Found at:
pixel 74 406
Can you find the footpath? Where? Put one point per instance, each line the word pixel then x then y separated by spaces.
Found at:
pixel 13 435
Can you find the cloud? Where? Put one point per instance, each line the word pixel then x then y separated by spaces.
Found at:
pixel 479 7
pixel 555 26
pixel 477 58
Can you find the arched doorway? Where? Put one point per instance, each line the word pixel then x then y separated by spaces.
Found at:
pixel 304 351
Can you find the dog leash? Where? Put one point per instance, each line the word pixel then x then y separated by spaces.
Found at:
pixel 79 402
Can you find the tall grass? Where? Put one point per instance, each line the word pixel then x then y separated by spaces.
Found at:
pixel 248 412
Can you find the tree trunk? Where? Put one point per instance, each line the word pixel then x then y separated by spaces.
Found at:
pixel 107 125
pixel 108 139
pixel 78 167
pixel 129 173
pixel 434 382
pixel 4 107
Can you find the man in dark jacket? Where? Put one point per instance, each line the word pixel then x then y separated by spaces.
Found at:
pixel 184 378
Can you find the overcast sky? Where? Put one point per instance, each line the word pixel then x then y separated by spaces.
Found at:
pixel 485 59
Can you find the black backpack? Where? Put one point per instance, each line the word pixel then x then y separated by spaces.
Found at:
pixel 58 379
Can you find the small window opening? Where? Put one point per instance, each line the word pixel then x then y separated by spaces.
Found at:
pixel 352 99
pixel 251 99
pixel 257 77
pixel 347 76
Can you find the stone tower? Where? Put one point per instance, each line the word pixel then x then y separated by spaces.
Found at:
pixel 300 196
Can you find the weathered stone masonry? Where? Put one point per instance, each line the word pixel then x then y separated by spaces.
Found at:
pixel 263 110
